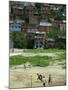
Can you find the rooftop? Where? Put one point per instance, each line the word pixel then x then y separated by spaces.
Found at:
pixel 16 21
pixel 45 24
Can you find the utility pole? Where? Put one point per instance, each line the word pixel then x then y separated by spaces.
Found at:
pixel 31 81
pixel 12 42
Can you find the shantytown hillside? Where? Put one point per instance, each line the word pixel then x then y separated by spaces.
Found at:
pixel 37 44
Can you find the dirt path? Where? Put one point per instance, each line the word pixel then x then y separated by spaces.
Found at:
pixel 33 54
pixel 20 77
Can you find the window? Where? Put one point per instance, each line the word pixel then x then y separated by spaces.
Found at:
pixel 19 26
pixel 15 26
pixel 36 46
pixel 40 46
pixel 12 26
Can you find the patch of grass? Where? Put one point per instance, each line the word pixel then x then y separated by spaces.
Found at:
pixel 35 60
pixel 52 50
pixel 39 60
pixel 61 57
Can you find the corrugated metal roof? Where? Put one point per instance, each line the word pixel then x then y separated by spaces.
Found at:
pixel 16 21
pixel 45 24
pixel 10 22
pixel 40 32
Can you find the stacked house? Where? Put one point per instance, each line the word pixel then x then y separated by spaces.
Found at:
pixel 31 18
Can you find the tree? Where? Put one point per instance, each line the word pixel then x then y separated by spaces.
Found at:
pixel 30 41
pixel 58 36
pixel 22 40
pixel 19 39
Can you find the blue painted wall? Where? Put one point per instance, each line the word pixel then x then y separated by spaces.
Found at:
pixel 15 26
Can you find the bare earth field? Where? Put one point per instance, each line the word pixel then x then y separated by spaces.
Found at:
pixel 20 78
pixel 23 78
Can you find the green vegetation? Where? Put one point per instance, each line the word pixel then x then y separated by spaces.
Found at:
pixel 35 60
pixel 61 57
pixel 39 60
pixel 22 40
pixel 51 50
pixel 58 36
pixel 19 39
pixel 26 41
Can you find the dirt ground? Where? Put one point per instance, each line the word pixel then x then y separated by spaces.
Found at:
pixel 22 78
